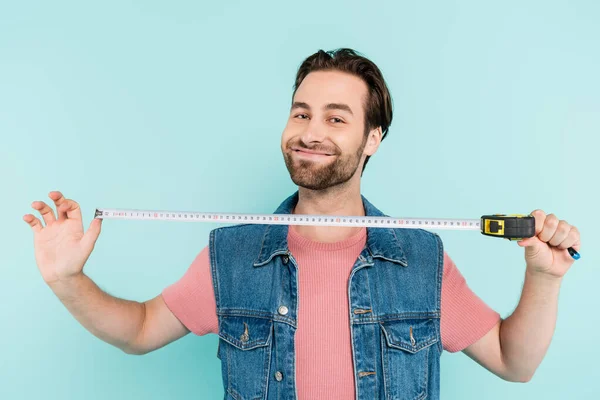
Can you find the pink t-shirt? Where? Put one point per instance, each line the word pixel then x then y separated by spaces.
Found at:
pixel 322 342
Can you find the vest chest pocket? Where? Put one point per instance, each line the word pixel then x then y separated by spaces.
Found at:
pixel 245 353
pixel 405 348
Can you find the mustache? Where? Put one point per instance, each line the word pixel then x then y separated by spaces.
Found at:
pixel 318 148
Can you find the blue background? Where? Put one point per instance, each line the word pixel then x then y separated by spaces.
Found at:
pixel 181 105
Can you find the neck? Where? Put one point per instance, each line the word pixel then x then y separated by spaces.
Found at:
pixel 338 200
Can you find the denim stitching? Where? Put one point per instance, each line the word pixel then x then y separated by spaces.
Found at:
pixel 426 372
pixel 229 387
pixel 384 366
pixel 234 394
pixel 213 264
pixel 297 301
pixel 440 270
pixel 355 268
pixel 266 366
pixel 228 312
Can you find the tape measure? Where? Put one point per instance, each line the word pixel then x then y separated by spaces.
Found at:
pixel 511 227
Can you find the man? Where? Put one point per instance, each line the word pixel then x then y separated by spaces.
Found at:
pixel 322 312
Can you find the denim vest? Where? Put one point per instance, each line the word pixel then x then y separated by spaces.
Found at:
pixel 394 292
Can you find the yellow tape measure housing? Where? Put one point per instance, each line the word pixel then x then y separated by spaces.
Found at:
pixel 511 226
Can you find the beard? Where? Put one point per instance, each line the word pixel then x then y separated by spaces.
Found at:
pixel 316 175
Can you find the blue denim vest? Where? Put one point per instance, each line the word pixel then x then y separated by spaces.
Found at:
pixel 394 291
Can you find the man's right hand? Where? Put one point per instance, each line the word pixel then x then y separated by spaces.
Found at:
pixel 61 251
pixel 61 247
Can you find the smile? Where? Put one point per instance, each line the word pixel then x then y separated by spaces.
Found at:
pixel 311 156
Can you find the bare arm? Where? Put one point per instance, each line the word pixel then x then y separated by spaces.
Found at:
pixel 61 251
pixel 516 346
pixel 135 328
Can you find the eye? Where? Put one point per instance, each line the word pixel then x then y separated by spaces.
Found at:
pixel 299 115
pixel 338 119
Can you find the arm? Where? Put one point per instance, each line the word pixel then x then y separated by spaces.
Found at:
pixel 515 347
pixel 135 328
pixel 61 251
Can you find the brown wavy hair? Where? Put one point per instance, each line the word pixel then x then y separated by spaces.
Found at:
pixel 378 104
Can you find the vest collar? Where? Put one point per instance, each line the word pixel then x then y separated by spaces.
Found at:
pixel 381 242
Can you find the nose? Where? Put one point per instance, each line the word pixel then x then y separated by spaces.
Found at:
pixel 314 132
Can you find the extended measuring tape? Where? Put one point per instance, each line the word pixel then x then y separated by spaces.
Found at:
pixel 511 227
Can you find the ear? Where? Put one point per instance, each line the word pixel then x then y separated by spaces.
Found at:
pixel 373 141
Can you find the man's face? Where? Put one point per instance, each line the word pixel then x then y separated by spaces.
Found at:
pixel 324 139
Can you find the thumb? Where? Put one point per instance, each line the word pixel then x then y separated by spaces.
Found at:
pixel 532 246
pixel 525 242
pixel 90 237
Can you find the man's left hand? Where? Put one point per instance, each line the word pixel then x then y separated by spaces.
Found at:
pixel 546 252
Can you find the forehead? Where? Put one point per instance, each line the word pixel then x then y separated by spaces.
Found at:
pixel 321 87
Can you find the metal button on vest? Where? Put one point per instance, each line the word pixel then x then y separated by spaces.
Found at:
pixel 286 259
pixel 283 310
pixel 278 376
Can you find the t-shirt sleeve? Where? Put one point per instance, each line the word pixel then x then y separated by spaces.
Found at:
pixel 192 298
pixel 465 317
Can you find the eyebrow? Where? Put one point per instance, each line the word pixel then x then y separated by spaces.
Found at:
pixel 329 106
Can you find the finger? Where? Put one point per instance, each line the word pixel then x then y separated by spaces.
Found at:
pixel 71 209
pixel 526 242
pixel 532 246
pixel 562 231
pixel 549 229
pixel 45 211
pixel 539 217
pixel 572 240
pixel 58 199
pixel 34 223
pixel 90 237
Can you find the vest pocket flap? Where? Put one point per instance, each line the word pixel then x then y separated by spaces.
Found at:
pixel 410 335
pixel 245 333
